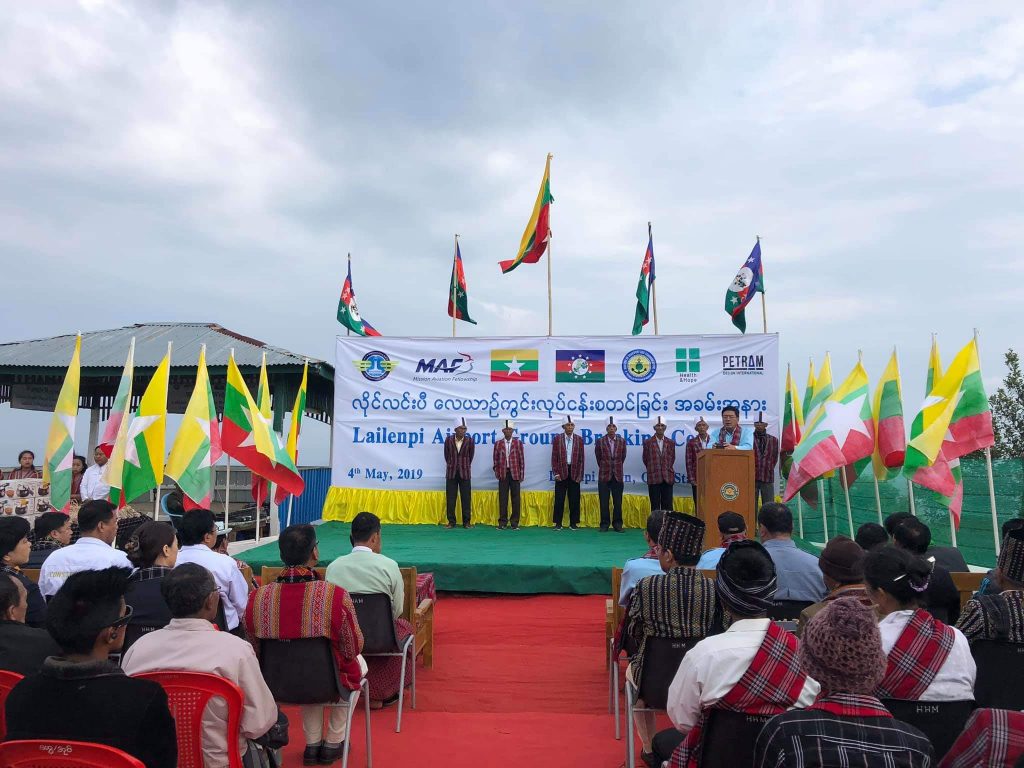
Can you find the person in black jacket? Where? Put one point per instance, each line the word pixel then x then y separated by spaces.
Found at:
pixel 153 550
pixel 82 696
pixel 51 532
pixel 942 598
pixel 22 648
pixel 950 558
pixel 15 549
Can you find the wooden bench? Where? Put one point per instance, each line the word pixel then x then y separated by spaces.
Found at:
pixel 967 583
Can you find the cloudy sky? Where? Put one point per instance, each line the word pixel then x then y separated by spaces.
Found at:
pixel 215 162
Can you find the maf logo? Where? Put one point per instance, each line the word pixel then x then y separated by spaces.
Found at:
pixel 457 366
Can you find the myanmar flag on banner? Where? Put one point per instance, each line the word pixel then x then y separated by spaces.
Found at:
pixel 348 312
pixel 748 281
pixel 538 232
pixel 458 300
pixel 119 411
pixel 197 445
pixel 841 433
pixel 792 416
pixel 579 365
pixel 292 446
pixel 643 287
pixel 247 436
pixel 514 365
pixel 890 437
pixel 60 444
pixel 144 443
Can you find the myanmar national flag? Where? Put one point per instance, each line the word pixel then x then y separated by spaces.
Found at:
pixel 579 365
pixel 514 365
pixel 247 436
pixel 792 416
pixel 60 444
pixel 841 433
pixel 643 287
pixel 142 460
pixel 458 300
pixel 260 488
pixel 538 232
pixel 120 410
pixel 197 445
pixel 292 446
pixel 890 436
pixel 748 281
pixel 822 389
pixel 348 312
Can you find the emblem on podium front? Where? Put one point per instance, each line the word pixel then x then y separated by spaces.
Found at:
pixel 730 491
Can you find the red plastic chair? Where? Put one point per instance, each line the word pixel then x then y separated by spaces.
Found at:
pixel 44 753
pixel 7 681
pixel 188 694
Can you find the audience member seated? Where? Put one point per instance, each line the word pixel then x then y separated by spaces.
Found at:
pixel 871 536
pixel 992 738
pixel 22 648
pixel 52 531
pixel 847 725
pixel 927 660
pixel 731 527
pixel 26 469
pixel 989 585
pixel 646 565
pixel 842 568
pixel 153 550
pixel 78 467
pixel 198 533
pixel 949 558
pixel 82 696
pixel 299 605
pixel 942 599
pixel 679 604
pixel 751 667
pixel 191 642
pixel 366 571
pixel 797 571
pixel 1000 616
pixel 14 553
pixel 94 486
pixel 94 551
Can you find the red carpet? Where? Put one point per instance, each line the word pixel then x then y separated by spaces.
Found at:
pixel 517 681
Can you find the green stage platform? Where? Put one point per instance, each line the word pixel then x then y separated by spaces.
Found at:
pixel 484 559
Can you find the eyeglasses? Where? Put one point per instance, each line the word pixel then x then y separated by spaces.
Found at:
pixel 128 611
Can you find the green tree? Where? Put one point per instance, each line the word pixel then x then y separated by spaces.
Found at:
pixel 1008 411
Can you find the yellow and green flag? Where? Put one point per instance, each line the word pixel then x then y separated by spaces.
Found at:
pixel 538 231
pixel 292 446
pixel 260 487
pixel 144 446
pixel 197 445
pixel 60 444
pixel 890 436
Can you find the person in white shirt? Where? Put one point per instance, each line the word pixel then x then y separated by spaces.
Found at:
pixel 94 551
pixel 647 564
pixel 198 534
pixel 93 485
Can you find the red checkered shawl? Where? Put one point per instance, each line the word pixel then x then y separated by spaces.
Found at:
pixel 514 461
pixel 991 737
pixel 737 435
pixel 771 685
pixel 659 459
pixel 851 705
pixel 916 658
pixel 693 446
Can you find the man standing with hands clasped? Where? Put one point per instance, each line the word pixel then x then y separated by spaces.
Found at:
pixel 610 451
pixel 732 436
pixel 509 469
pixel 458 460
pixel 660 461
pixel 567 469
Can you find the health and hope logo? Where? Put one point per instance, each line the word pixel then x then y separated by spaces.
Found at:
pixel 639 365
pixel 375 365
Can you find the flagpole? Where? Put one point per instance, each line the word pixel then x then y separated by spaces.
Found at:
pixel 454 282
pixel 878 499
pixel 846 493
pixel 792 418
pixel 764 310
pixel 550 330
pixel 824 507
pixel 654 287
pixel 348 331
pixel 910 491
pixel 991 482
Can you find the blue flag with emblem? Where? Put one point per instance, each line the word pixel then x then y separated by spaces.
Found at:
pixel 748 281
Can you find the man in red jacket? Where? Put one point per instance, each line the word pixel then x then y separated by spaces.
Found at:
pixel 610 451
pixel 458 459
pixel 660 461
pixel 509 469
pixel 567 467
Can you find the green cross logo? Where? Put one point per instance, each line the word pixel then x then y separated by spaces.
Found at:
pixel 687 360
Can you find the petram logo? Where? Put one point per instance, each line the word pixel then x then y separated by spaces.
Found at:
pixel 639 365
pixel 375 365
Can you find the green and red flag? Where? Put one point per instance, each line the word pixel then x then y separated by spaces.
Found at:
pixel 809 392
pixel 348 311
pixel 458 300
pixel 292 446
pixel 644 287
pixel 60 443
pixel 841 433
pixel 260 488
pixel 538 230
pixel 792 416
pixel 197 445
pixel 748 281
pixel 120 410
pixel 890 434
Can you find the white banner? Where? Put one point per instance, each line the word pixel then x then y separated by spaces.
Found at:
pixel 396 399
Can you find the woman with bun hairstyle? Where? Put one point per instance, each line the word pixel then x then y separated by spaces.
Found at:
pixel 153 550
pixel 927 660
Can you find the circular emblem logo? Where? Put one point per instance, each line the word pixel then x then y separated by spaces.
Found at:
pixel 580 366
pixel 376 366
pixel 730 492
pixel 639 365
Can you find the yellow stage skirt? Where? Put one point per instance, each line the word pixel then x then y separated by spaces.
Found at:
pixel 428 507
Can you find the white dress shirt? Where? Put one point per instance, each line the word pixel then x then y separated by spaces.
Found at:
pixel 93 486
pixel 234 592
pixel 713 666
pixel 955 681
pixel 568 450
pixel 86 554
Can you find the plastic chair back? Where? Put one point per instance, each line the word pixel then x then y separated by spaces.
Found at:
pixel 940 721
pixel 729 739
pixel 1000 680
pixel 301 671
pixel 373 612
pixel 47 753
pixel 787 610
pixel 188 694
pixel 8 680
pixel 662 657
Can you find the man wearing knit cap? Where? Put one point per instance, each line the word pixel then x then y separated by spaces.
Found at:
pixel 567 469
pixel 660 460
pixel 731 527
pixel 841 648
pixel 1001 616
pixel 509 468
pixel 842 568
pixel 679 604
pixel 694 447
pixel 610 452
pixel 458 460
pixel 751 667
pixel 766 456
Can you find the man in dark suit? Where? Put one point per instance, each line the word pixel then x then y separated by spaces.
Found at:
pixel 660 460
pixel 610 451
pixel 22 648
pixel 458 459
pixel 567 467
pixel 509 469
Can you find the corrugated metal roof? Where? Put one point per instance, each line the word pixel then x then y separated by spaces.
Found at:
pixel 108 349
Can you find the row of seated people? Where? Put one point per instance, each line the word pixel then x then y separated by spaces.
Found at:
pixel 738 657
pixel 168 608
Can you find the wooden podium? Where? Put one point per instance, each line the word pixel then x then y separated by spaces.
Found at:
pixel 725 483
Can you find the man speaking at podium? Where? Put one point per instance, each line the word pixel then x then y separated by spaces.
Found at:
pixel 732 436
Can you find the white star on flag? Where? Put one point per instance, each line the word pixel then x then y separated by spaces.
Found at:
pixel 843 418
pixel 250 439
pixel 514 367
pixel 204 425
pixel 138 426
